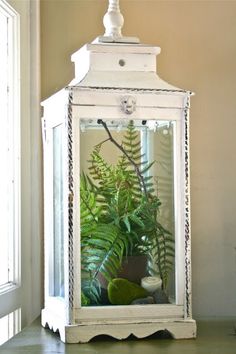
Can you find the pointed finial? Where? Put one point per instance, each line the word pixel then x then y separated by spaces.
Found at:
pixel 113 22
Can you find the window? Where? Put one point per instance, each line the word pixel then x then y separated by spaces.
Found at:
pixel 21 283
pixel 10 169
pixel 10 325
pixel 9 148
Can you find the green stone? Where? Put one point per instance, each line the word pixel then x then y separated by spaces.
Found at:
pixel 123 292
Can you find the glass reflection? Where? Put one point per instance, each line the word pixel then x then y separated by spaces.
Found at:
pixel 58 215
pixel 127 212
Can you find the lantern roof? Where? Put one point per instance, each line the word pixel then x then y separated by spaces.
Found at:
pixel 113 61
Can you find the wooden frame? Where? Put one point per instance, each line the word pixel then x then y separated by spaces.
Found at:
pixel 80 324
pixel 115 81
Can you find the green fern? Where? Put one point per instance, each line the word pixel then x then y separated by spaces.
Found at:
pixel 161 242
pixel 105 250
pixel 119 217
pixel 162 254
pixel 91 289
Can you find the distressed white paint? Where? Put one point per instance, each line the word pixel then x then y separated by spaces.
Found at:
pixel 98 88
pixel 82 333
pixel 144 98
pixel 113 22
pixel 118 66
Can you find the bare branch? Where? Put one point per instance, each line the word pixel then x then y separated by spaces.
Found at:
pixel 120 147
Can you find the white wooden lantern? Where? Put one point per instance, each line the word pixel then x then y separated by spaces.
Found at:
pixel 115 90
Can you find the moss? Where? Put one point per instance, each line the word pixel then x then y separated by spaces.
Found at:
pixel 123 292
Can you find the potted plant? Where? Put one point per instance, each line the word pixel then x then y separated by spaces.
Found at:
pixel 119 216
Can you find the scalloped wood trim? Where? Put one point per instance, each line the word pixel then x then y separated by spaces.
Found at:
pixel 82 333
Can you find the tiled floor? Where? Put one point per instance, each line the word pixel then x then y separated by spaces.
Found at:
pixel 214 337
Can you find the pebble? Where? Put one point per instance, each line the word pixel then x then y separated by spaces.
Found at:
pixel 160 297
pixel 143 301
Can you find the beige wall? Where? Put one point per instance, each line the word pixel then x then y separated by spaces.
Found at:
pixel 199 52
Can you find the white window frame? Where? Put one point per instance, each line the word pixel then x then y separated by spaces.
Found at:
pixel 10 325
pixel 10 313
pixel 27 293
pixel 14 137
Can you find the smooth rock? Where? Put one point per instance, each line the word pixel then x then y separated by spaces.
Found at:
pixel 151 284
pixel 160 297
pixel 143 301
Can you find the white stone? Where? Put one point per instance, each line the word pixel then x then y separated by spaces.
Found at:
pixel 151 284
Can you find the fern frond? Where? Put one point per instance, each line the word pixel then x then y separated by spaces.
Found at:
pixel 119 215
pixel 89 208
pixel 91 288
pixel 109 244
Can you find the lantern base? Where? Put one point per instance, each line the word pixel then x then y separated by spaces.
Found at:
pixel 84 332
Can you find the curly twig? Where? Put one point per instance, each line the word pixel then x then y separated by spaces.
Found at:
pixel 136 168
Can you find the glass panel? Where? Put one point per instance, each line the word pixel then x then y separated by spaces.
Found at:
pixel 127 212
pixel 58 215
